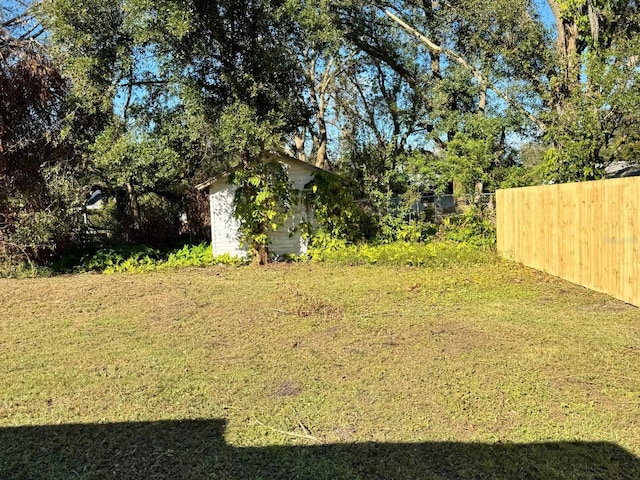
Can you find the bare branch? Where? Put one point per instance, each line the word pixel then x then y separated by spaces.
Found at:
pixel 484 82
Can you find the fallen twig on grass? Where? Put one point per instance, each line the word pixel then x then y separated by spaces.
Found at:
pixel 283 312
pixel 292 434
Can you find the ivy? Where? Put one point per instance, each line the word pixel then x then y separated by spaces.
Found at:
pixel 337 215
pixel 263 202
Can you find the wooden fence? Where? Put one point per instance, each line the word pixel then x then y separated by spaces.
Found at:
pixel 587 233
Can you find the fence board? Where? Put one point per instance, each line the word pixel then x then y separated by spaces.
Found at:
pixel 587 233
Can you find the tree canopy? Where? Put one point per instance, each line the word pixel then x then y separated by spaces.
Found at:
pixel 148 98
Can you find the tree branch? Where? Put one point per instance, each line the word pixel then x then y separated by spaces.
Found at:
pixel 485 83
pixel 139 83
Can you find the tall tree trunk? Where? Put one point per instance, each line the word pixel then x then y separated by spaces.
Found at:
pixel 299 141
pixel 430 10
pixel 482 100
pixel 322 161
pixel 134 205
pixel 568 52
pixel 318 95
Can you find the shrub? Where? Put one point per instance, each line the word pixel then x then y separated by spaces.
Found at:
pixel 142 259
pixel 472 227
pixel 20 266
pixel 435 254
pixel 337 215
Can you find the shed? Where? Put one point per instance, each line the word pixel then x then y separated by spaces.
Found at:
pixel 225 233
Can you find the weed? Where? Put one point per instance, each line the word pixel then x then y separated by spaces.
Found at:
pixel 20 266
pixel 143 259
pixel 435 254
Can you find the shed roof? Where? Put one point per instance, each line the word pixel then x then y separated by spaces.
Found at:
pixel 280 157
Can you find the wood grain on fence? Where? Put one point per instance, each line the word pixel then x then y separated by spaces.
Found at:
pixel 587 233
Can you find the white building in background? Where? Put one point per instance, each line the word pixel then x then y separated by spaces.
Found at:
pixel 225 233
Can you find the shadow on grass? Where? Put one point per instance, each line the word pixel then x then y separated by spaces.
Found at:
pixel 195 449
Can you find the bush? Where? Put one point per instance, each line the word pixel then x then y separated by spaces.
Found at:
pixel 337 215
pixel 20 266
pixel 435 254
pixel 142 259
pixel 472 227
pixel 393 229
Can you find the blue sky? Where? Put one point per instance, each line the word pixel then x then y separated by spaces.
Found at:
pixel 545 12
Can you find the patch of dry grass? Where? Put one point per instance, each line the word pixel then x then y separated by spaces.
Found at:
pixel 306 354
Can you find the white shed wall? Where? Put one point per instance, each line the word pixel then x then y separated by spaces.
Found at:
pixel 225 235
pixel 299 175
pixel 284 244
pixel 281 242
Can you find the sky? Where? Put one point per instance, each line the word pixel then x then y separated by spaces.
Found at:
pixel 545 12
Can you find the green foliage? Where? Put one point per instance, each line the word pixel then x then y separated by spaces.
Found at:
pixel 341 220
pixel 477 154
pixel 387 186
pixel 599 124
pixel 141 259
pixel 396 228
pixel 472 228
pixel 264 196
pixel 416 231
pixel 263 202
pixel 243 132
pixel 121 156
pixel 43 232
pixel 38 230
pixel 576 160
pixel 337 215
pixel 521 176
pixel 20 265
pixel 39 168
pixel 435 254
pixel 470 159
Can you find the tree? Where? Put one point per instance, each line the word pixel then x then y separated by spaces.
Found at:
pixel 446 72
pixel 580 93
pixel 324 58
pixel 185 67
pixel 38 191
pixel 597 93
pixel 104 49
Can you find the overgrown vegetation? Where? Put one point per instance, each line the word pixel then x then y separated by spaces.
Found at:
pixel 491 370
pixel 435 254
pixel 142 103
pixel 142 259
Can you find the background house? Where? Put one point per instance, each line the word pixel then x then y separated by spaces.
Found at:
pixel 225 234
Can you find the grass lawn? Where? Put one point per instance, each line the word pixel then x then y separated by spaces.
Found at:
pixel 318 371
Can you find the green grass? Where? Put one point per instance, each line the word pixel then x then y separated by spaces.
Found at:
pixel 313 370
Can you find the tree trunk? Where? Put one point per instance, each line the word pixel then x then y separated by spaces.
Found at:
pixel 568 55
pixel 261 255
pixel 431 9
pixel 299 140
pixel 134 205
pixel 482 101
pixel 322 161
pixel 318 95
pixel 477 198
